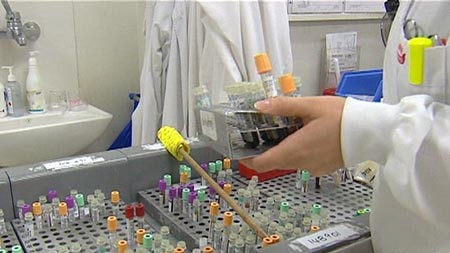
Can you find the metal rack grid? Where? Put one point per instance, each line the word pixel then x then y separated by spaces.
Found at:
pixel 84 232
pixel 341 201
pixel 8 240
pixel 180 226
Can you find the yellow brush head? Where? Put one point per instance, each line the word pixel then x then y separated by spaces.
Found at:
pixel 173 141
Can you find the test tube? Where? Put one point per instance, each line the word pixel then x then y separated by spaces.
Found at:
pixel 213 213
pixel 95 210
pixel 129 215
pixel 140 237
pixel 221 176
pixel 181 244
pixel 122 246
pixel 206 169
pixel 75 247
pixel 112 232
pixel 140 215
pixel 192 197
pixel 239 246
pixel 157 242
pixel 37 212
pixel 115 200
pixel 288 230
pixel 101 244
pixel 217 235
pixel 51 195
pixel 183 178
pixel 101 202
pixel 196 214
pixel 255 199
pixel 227 188
pixel 2 223
pixel 305 180
pixel 185 201
pixel 264 68
pixel 298 179
pixel 231 242
pixel 42 199
pixel 249 242
pixel 148 242
pixel 278 199
pixel 248 201
pixel 168 179
pixel 201 196
pixel 72 209
pixel 229 176
pixel 318 182
pixel 55 212
pixel 212 170
pixel 19 205
pixel 189 173
pixel 63 215
pixel 162 192
pixel 306 224
pixel 227 222
pixel 172 198
pixel 165 232
pixel 212 194
pixel 219 199
pixel 83 209
pixel 46 215
pixel 28 225
pixel 241 199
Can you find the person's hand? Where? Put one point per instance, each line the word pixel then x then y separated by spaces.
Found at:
pixel 316 146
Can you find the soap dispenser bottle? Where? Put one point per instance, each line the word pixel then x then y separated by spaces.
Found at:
pixel 15 103
pixel 3 111
pixel 35 96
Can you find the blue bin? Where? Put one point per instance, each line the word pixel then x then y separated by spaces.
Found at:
pixel 361 84
pixel 124 138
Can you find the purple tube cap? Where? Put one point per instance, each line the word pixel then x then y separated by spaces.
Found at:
pixel 162 185
pixel 180 192
pixel 192 196
pixel 211 190
pixel 51 195
pixel 70 202
pixel 25 209
pixel 172 192
pixel 204 166
pixel 191 187
pixel 221 184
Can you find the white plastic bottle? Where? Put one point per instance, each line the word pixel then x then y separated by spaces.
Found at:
pixel 3 111
pixel 15 103
pixel 35 96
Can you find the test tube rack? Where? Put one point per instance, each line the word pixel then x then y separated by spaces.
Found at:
pixel 341 201
pixel 180 226
pixel 9 239
pixel 84 232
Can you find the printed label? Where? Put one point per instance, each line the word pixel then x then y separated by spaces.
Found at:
pixel 208 124
pixel 35 101
pixel 9 102
pixel 72 163
pixel 327 237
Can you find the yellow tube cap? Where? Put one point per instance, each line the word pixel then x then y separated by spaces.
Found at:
pixel 62 208
pixel 112 223
pixel 267 241
pixel 122 246
pixel 208 249
pixel 115 197
pixel 275 238
pixel 140 236
pixel 263 64
pixel 416 59
pixel 183 177
pixel 178 250
pixel 226 164
pixel 214 208
pixel 227 188
pixel 287 83
pixel 37 208
pixel 227 219
pixel 173 141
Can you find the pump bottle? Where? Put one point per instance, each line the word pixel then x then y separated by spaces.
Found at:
pixel 15 103
pixel 35 96
pixel 3 111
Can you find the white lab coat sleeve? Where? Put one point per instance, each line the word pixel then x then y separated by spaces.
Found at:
pixel 412 141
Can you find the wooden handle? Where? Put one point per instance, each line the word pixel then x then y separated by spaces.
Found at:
pixel 245 216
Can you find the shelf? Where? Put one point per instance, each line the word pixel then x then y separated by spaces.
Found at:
pixel 308 17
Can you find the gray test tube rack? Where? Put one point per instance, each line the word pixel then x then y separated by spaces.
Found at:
pixel 84 232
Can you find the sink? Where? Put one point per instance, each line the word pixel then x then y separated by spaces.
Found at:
pixel 40 137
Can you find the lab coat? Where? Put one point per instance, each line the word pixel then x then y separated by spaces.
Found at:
pixel 409 136
pixel 208 43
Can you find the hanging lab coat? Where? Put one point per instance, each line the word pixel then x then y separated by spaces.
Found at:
pixel 217 49
pixel 147 117
pixel 410 136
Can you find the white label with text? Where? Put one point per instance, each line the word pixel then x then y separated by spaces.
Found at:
pixel 327 236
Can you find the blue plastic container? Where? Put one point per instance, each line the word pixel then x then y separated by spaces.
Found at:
pixel 124 138
pixel 360 84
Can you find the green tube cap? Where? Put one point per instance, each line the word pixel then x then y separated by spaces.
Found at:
pixel 284 207
pixel 168 179
pixel 316 209
pixel 305 175
pixel 212 167
pixel 79 198
pixel 219 165
pixel 201 194
pixel 17 249
pixel 185 194
pixel 148 241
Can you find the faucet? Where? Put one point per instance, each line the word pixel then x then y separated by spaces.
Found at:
pixel 14 28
